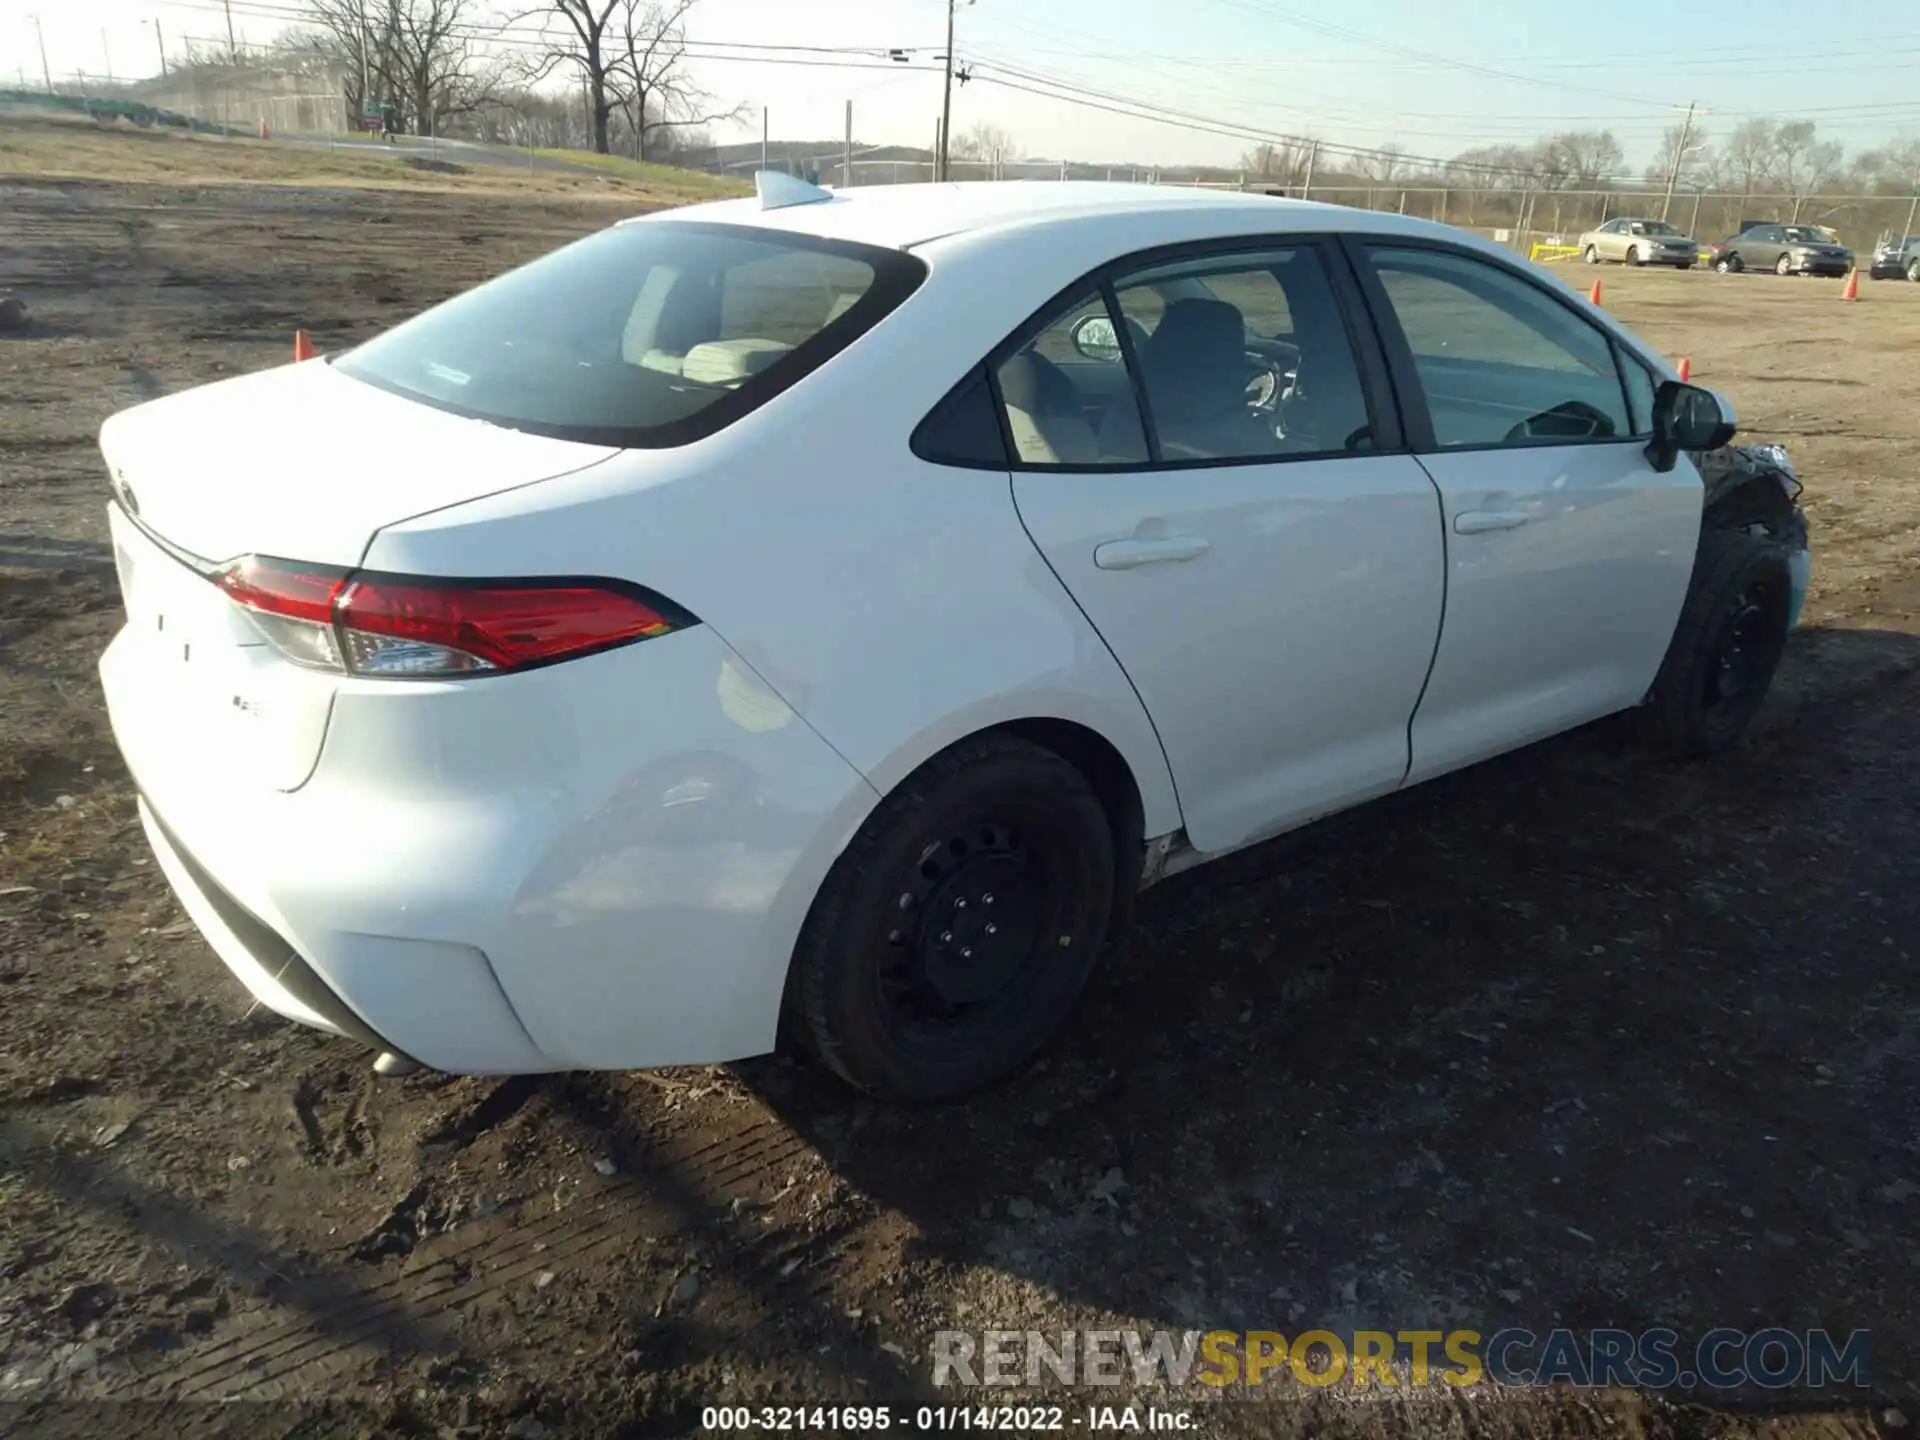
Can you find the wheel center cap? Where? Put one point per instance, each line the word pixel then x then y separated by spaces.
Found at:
pixel 979 928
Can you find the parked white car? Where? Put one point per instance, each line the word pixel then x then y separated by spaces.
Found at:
pixel 822 613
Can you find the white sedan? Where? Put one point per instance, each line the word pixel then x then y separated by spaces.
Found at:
pixel 817 615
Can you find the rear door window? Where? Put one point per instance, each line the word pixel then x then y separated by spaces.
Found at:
pixel 641 336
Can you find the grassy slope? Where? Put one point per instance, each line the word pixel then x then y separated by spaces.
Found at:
pixel 35 145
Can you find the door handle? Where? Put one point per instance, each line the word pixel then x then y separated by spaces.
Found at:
pixel 1479 522
pixel 1132 554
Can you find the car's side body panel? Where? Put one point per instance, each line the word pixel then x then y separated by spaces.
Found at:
pixel 1280 666
pixel 1564 618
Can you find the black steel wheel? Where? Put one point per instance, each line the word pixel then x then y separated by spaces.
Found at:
pixel 1732 631
pixel 958 929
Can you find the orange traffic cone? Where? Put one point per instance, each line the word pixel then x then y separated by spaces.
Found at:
pixel 1593 295
pixel 1852 292
pixel 1686 368
pixel 302 347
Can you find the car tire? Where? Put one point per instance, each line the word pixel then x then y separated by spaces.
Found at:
pixel 1729 265
pixel 1633 256
pixel 1590 255
pixel 1783 266
pixel 915 1014
pixel 1725 649
pixel 1913 271
pixel 1683 265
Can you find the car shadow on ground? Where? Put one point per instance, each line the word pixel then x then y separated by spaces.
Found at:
pixel 1578 1038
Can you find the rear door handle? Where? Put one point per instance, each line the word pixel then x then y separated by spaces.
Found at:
pixel 1132 554
pixel 1479 522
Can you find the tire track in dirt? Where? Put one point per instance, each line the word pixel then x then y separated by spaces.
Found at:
pixel 426 1296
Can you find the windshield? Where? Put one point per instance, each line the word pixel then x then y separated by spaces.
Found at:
pixel 1803 235
pixel 642 336
pixel 1653 227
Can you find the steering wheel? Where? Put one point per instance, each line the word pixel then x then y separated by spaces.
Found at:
pixel 1273 375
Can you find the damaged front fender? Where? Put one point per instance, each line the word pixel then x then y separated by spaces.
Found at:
pixel 1755 488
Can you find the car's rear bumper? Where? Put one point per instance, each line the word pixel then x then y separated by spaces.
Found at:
pixel 516 874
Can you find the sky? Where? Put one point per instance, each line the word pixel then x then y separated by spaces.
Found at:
pixel 1433 77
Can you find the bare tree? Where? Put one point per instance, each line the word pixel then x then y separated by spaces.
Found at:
pixel 1694 162
pixel 1747 156
pixel 415 55
pixel 983 142
pixel 577 37
pixel 1895 167
pixel 1581 158
pixel 648 74
pixel 1384 165
pixel 1284 162
pixel 1802 162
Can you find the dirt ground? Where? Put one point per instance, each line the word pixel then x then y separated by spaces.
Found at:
pixel 1577 1038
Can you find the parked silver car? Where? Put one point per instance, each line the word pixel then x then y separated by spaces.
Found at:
pixel 1897 257
pixel 1639 242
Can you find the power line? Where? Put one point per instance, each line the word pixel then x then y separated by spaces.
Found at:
pixel 994 73
pixel 1270 11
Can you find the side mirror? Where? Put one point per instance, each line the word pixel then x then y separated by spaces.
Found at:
pixel 1688 418
pixel 1094 339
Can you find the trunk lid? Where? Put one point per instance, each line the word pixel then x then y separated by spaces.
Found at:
pixel 300 463
pixel 303 463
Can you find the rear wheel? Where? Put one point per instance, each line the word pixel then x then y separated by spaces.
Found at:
pixel 1725 649
pixel 959 927
pixel 1729 265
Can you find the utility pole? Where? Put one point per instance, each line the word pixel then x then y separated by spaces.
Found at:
pixel 106 50
pixel 45 73
pixel 160 40
pixel 1306 185
pixel 946 101
pixel 1911 210
pixel 765 131
pixel 1679 155
pixel 847 164
pixel 233 50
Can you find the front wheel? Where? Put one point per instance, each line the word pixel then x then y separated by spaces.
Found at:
pixel 1590 255
pixel 1783 266
pixel 1725 649
pixel 959 927
pixel 1633 255
pixel 1913 271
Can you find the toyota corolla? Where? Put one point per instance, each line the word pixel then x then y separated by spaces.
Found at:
pixel 817 615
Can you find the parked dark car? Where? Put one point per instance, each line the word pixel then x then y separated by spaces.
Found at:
pixel 1896 258
pixel 1783 249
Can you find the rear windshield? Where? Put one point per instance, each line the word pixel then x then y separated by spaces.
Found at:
pixel 641 336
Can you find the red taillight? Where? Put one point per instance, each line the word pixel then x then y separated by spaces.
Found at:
pixel 392 625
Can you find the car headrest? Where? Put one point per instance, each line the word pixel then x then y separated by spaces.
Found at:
pixel 729 362
pixel 1033 383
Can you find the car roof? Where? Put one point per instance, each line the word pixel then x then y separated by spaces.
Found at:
pixel 902 216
